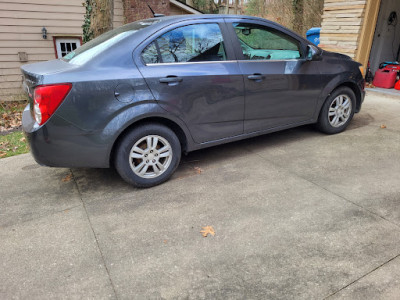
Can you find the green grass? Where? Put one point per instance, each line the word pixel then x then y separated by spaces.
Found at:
pixel 13 144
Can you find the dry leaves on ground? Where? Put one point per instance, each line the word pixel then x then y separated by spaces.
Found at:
pixel 67 178
pixel 207 230
pixel 198 170
pixel 10 121
pixel 369 85
pixel 11 115
pixel 383 126
pixel 5 146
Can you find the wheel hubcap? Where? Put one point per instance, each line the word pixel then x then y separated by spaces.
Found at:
pixel 150 156
pixel 340 110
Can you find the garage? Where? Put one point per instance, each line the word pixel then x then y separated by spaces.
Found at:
pixel 386 41
pixel 366 30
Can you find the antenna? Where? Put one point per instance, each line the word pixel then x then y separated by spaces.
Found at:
pixel 154 14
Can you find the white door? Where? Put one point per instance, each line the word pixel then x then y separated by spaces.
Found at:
pixel 66 45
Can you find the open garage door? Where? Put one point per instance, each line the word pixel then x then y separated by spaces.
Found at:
pixel 386 42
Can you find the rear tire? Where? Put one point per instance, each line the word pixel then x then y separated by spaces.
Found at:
pixel 148 155
pixel 337 111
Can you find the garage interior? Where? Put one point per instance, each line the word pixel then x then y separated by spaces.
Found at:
pixel 385 48
pixel 386 42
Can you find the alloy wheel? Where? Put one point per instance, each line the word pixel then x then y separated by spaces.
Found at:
pixel 339 110
pixel 150 156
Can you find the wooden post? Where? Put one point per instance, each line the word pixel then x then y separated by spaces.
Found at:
pixel 367 32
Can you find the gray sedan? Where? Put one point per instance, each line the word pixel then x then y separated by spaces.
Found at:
pixel 138 96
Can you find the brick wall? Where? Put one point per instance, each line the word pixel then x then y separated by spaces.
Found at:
pixel 138 9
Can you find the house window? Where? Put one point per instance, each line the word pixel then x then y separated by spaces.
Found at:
pixel 66 45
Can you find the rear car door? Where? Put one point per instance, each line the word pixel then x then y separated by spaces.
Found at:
pixel 281 86
pixel 192 73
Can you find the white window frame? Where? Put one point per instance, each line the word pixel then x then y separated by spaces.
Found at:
pixel 59 40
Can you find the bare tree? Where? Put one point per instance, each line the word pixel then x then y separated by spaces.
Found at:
pixel 298 11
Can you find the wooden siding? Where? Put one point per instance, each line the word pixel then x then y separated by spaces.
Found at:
pixel 21 23
pixel 342 22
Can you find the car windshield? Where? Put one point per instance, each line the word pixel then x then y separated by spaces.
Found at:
pixel 91 49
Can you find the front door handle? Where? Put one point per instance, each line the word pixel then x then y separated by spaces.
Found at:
pixel 171 79
pixel 256 77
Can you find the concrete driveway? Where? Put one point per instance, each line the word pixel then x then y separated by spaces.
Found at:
pixel 297 215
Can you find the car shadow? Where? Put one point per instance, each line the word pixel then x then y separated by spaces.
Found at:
pixel 198 162
pixel 360 120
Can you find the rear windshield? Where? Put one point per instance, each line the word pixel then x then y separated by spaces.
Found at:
pixel 91 49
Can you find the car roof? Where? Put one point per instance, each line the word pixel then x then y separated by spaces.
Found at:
pixel 169 20
pixel 208 16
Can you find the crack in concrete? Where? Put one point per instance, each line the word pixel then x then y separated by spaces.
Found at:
pixel 347 200
pixel 39 217
pixel 365 275
pixel 94 234
pixel 326 189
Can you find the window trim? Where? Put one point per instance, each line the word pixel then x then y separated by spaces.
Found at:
pixel 230 55
pixel 55 37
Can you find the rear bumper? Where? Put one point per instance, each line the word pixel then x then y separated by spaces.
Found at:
pixel 58 143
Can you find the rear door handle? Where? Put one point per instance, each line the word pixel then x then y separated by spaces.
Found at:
pixel 171 79
pixel 256 77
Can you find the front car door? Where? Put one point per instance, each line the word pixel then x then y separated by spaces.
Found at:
pixel 281 86
pixel 191 71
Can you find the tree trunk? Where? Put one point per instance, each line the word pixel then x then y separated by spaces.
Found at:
pixel 102 16
pixel 298 19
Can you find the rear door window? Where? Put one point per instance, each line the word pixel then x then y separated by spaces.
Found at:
pixel 192 43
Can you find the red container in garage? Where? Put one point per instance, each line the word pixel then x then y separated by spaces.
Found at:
pixel 384 78
pixel 397 85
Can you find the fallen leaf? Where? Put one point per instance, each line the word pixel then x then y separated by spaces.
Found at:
pixel 207 230
pixel 22 139
pixel 383 126
pixel 370 85
pixel 67 178
pixel 3 154
pixel 198 170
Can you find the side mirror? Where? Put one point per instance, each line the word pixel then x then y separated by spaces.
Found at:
pixel 313 53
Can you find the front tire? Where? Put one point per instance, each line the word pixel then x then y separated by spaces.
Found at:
pixel 337 111
pixel 148 155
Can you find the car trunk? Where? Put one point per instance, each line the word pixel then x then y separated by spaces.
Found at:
pixel 41 73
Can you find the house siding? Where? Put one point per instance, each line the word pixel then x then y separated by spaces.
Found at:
pixel 342 23
pixel 21 23
pixel 174 10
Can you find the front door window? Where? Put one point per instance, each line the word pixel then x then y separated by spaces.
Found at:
pixel 262 43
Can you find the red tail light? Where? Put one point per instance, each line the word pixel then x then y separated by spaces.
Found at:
pixel 47 98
